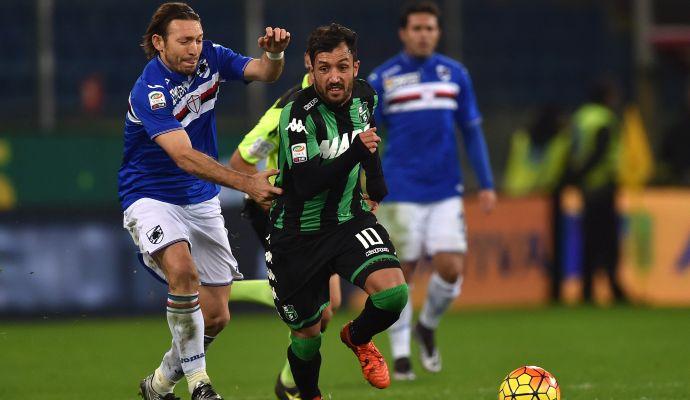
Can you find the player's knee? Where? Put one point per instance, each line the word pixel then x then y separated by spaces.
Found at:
pixel 450 275
pixel 305 348
pixel 215 323
pixel 182 275
pixel 393 299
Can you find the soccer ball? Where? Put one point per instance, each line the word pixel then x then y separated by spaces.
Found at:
pixel 529 383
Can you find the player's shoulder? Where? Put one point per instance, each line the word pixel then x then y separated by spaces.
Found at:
pixel 288 96
pixel 389 67
pixel 451 63
pixel 363 89
pixel 303 102
pixel 151 87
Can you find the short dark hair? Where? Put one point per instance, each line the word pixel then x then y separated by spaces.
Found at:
pixel 326 38
pixel 160 20
pixel 428 7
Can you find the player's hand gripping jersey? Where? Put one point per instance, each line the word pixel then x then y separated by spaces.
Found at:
pixel 319 160
pixel 162 101
pixel 421 103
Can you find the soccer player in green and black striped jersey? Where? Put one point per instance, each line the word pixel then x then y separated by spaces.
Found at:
pixel 322 224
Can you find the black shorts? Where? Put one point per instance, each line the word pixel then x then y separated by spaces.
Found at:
pixel 300 265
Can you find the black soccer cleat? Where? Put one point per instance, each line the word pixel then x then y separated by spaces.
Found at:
pixel 286 393
pixel 147 393
pixel 428 352
pixel 204 391
pixel 402 369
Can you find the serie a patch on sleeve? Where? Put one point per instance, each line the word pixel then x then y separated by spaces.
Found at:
pixel 299 152
pixel 156 100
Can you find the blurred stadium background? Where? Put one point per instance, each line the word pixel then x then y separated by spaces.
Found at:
pixel 69 278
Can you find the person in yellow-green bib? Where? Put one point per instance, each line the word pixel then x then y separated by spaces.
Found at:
pixel 593 168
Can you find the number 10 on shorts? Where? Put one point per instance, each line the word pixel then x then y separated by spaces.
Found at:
pixel 369 237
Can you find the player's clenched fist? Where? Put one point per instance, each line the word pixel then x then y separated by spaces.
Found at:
pixel 370 139
pixel 275 40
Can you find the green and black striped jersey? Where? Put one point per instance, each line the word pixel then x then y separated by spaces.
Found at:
pixel 319 160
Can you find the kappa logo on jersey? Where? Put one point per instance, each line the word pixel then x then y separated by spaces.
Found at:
pixel 443 73
pixel 311 104
pixel 364 112
pixel 290 312
pixel 156 100
pixel 299 152
pixel 194 103
pixel 338 145
pixel 296 125
pixel 155 234
pixel 203 71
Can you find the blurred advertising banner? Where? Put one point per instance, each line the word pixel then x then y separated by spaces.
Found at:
pixel 507 260
pixel 656 246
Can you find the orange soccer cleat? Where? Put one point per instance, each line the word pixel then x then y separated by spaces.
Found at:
pixel 373 364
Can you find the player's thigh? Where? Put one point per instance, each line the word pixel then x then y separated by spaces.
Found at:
pixel 211 252
pixel 364 248
pixel 405 223
pixel 298 273
pixel 447 232
pixel 304 306
pixel 155 226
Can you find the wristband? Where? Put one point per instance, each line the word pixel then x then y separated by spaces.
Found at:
pixel 275 56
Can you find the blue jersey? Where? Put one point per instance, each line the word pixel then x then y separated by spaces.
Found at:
pixel 421 102
pixel 163 101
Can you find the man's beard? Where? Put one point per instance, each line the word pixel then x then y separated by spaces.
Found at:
pixel 347 92
pixel 177 65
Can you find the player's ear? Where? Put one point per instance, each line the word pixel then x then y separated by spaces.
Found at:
pixel 158 42
pixel 356 68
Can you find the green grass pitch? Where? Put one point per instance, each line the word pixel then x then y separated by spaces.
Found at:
pixel 596 354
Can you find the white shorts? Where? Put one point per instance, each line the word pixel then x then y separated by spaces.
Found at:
pixel 419 229
pixel 154 225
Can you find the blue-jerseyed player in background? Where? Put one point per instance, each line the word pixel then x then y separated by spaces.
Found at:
pixel 169 183
pixel 424 98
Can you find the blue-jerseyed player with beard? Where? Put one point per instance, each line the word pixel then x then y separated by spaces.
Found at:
pixel 169 184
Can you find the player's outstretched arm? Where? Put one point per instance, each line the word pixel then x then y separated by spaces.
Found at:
pixel 239 164
pixel 179 148
pixel 312 178
pixel 269 67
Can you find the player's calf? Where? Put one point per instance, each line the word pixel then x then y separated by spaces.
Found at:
pixel 305 361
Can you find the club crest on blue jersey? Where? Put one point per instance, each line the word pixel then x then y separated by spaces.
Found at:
pixel 443 72
pixel 203 71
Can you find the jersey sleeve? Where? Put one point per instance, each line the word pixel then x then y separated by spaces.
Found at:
pixel 262 140
pixel 467 113
pixel 374 80
pixel 152 106
pixel 231 65
pixel 297 141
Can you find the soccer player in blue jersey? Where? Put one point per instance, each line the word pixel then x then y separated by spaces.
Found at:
pixel 424 97
pixel 169 183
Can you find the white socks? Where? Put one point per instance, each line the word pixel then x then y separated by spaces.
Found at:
pixel 187 327
pixel 439 295
pixel 399 332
